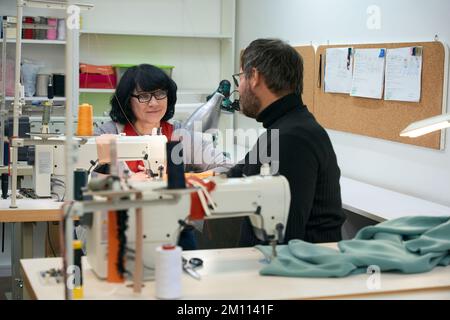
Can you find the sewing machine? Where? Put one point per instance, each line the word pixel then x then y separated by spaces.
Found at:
pixel 49 162
pixel 264 199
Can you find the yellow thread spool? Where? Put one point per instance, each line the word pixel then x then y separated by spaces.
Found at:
pixel 78 292
pixel 85 120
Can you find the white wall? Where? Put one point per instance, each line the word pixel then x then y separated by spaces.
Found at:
pixel 411 170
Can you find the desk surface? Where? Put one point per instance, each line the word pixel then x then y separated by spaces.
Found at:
pixel 22 170
pixel 380 204
pixel 30 210
pixel 233 274
pixel 373 202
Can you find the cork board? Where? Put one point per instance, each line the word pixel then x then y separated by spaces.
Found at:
pixel 309 55
pixel 379 118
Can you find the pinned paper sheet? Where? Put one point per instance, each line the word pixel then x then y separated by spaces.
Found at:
pixel 368 73
pixel 403 74
pixel 338 70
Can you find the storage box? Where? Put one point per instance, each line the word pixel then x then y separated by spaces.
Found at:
pixel 121 68
pixel 98 81
pixel 97 77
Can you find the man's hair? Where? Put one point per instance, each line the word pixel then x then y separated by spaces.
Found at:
pixel 279 63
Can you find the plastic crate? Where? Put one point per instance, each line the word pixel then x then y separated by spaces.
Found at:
pixel 121 68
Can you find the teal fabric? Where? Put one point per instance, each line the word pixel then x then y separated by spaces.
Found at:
pixel 406 245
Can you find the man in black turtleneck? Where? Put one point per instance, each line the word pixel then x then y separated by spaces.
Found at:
pixel 270 88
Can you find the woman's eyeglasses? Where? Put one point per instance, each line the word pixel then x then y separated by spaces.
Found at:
pixel 147 96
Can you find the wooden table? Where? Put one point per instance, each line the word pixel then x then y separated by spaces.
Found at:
pixel 22 217
pixel 233 274
pixel 30 210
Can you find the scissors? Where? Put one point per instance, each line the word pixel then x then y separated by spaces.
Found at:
pixel 190 266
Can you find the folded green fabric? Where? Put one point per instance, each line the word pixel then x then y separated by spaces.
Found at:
pixel 407 245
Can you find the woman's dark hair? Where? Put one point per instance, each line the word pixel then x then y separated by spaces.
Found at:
pixel 145 77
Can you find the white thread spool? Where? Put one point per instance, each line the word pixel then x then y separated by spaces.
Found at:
pixel 42 85
pixel 61 29
pixel 168 268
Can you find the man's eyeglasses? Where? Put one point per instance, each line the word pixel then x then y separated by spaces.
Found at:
pixel 236 77
pixel 147 96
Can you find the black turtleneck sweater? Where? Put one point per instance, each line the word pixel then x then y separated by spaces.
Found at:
pixel 308 161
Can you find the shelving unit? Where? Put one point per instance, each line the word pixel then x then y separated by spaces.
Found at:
pixel 55 99
pixel 87 90
pixel 198 39
pixel 33 41
pixel 157 34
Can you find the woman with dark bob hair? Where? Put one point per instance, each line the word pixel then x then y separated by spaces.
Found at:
pixel 144 101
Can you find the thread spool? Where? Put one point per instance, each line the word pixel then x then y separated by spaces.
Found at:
pixel 28 33
pixel 80 181
pixel 58 85
pixel 40 34
pixel 77 254
pixel 5 180
pixel 42 81
pixel 61 29
pixel 175 166
pixel 50 92
pixel 168 268
pixel 51 33
pixel 85 120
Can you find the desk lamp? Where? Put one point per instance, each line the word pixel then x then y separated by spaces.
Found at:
pixel 422 127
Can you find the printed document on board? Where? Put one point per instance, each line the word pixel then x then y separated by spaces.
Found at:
pixel 403 74
pixel 338 70
pixel 368 73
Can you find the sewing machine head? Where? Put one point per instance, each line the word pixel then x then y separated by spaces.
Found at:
pixel 264 199
pixel 94 151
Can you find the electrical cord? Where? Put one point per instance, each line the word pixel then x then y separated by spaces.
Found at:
pixel 57 196
pixel 3 237
pixel 93 164
pixel 49 240
pixel 58 180
pixel 28 193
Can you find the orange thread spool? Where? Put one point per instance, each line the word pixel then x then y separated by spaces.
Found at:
pixel 85 120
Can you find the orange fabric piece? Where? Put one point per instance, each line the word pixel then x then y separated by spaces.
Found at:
pixel 197 212
pixel 90 68
pixel 113 274
pixel 201 175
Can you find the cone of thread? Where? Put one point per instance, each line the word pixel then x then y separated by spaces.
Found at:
pixel 85 120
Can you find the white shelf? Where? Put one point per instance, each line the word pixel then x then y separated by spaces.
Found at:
pixel 87 90
pixel 156 34
pixel 33 41
pixel 38 99
pixel 179 92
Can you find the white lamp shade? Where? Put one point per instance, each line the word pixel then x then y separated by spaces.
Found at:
pixel 422 127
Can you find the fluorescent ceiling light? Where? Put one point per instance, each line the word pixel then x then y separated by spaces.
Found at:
pixel 422 127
